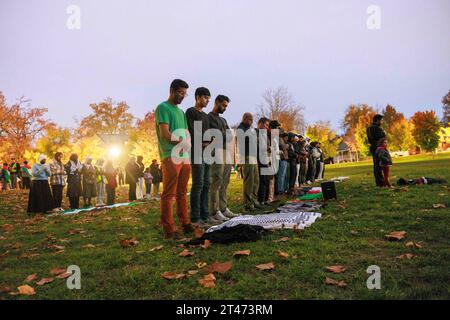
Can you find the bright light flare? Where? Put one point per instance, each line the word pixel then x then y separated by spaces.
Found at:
pixel 114 152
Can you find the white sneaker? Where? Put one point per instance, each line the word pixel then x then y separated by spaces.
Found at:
pixel 220 216
pixel 213 221
pixel 227 213
pixel 308 182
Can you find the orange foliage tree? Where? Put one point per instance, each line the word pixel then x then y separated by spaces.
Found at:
pixel 426 129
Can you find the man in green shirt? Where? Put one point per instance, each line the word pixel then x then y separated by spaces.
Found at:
pixel 171 130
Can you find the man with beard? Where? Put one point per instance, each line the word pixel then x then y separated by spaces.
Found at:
pixel 172 132
pixel 198 123
pixel 220 172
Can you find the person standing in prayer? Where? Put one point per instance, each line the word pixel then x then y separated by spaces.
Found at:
pixel 57 179
pixel 100 181
pixel 89 179
pixel 40 198
pixel 111 183
pixel 26 175
pixel 73 170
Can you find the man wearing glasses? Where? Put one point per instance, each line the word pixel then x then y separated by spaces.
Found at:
pixel 171 130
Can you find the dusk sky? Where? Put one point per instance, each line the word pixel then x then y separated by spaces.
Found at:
pixel 322 51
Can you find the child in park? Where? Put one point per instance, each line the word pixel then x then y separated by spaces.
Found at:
pixel 148 178
pixel 384 160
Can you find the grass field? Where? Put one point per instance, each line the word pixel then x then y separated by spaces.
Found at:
pixel 351 233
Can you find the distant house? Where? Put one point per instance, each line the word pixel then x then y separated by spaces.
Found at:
pixel 346 154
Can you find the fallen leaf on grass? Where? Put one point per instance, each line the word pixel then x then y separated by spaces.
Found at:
pixel 157 248
pixel 76 231
pixel 284 239
pixel 5 289
pixel 64 275
pixel 7 227
pixel 2 238
pixel 57 271
pixel 283 255
pixel 219 267
pixel 31 277
pixel 396 235
pixel 208 281
pixel 126 243
pixel 406 256
pixel 44 281
pixel 186 253
pixel 173 276
pixel 201 265
pixel 333 282
pixel 206 244
pixel 28 255
pixel 336 269
pixel 55 246
pixel 26 290
pixel 413 244
pixel 266 266
pixel 192 272
pixel 59 252
pixel 241 253
pixel 439 205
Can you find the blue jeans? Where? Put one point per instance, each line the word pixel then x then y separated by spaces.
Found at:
pixel 281 176
pixel 201 177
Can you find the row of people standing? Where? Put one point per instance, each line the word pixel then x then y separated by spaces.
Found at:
pixel 15 175
pixel 182 140
pixel 82 180
pixel 138 177
pixel 297 163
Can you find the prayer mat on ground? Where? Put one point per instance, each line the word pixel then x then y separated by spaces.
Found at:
pixel 289 220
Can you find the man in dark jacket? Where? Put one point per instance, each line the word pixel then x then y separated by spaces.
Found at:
pixel 131 177
pixel 374 134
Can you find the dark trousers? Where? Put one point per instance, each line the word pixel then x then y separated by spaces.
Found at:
pixel 57 191
pixel 263 190
pixel 302 173
pixel 110 196
pixel 74 202
pixel 377 171
pixel 201 179
pixel 292 173
pixel 311 175
pixel 132 191
pixel 26 182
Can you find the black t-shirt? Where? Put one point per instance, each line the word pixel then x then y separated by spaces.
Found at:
pixel 193 115
pixel 217 122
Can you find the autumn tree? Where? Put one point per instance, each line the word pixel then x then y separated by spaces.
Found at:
pixel 426 129
pixel 20 125
pixel 321 131
pixel 397 128
pixel 446 110
pixel 108 117
pixel 55 139
pixel 143 139
pixel 278 104
pixel 356 120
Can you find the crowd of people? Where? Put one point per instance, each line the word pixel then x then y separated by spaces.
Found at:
pixel 183 141
pixel 91 182
pixel 292 160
